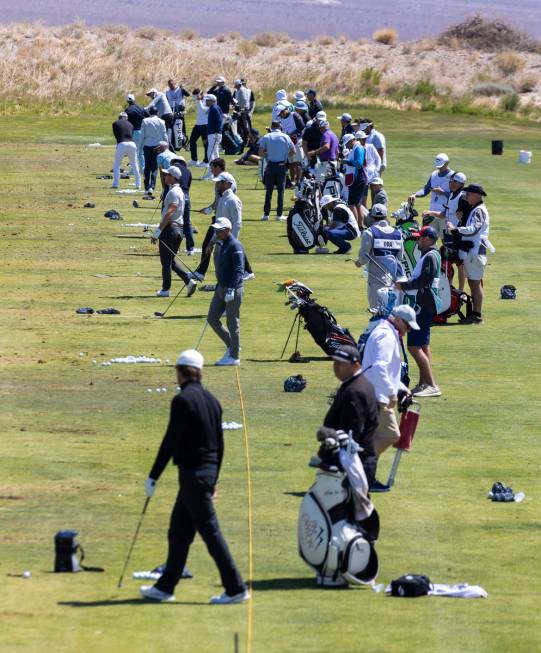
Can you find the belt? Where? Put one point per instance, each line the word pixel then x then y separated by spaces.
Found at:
pixel 277 163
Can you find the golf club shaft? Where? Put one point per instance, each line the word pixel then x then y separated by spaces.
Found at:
pixel 394 467
pixel 173 300
pixel 145 506
pixel 201 335
pixel 384 270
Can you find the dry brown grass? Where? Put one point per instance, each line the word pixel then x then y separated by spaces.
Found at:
pixel 509 62
pixel 386 36
pixel 247 48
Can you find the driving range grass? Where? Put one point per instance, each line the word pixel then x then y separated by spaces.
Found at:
pixel 79 438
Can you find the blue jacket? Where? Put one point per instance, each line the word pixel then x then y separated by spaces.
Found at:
pixel 230 263
pixel 215 120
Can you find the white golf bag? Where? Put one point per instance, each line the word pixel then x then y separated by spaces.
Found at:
pixel 330 181
pixel 330 540
pixel 304 219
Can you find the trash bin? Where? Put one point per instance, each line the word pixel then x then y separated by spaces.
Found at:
pixel 497 147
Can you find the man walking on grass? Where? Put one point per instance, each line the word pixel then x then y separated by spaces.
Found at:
pixel 125 146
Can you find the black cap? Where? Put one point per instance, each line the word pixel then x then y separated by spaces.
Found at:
pixel 475 188
pixel 347 354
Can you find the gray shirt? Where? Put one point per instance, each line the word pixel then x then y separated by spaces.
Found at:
pixel 229 205
pixel 174 196
pixel 153 131
pixel 161 103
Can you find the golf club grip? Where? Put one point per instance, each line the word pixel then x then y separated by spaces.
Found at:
pixel 145 506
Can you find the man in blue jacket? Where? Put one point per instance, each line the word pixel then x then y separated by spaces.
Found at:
pixel 229 264
pixel 215 119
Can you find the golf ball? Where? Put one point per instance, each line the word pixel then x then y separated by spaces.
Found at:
pixel 26 574
pixel 149 389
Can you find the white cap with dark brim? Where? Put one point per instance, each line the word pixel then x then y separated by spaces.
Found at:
pixel 191 358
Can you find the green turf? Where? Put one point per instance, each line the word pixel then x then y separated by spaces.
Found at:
pixel 78 439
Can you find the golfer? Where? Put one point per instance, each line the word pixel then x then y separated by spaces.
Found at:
pixel 194 441
pixel 229 262
pixel 382 365
pixel 125 146
pixel 169 231
pixel 354 407
pixel 215 121
pixel 342 223
pixel 422 292
pixel 276 147
pixel 438 187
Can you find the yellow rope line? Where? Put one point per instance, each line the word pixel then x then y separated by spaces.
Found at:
pixel 250 524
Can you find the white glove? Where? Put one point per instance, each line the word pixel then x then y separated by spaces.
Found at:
pixel 156 233
pixel 150 487
pixel 229 295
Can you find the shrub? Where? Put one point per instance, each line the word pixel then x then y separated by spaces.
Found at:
pixel 270 39
pixel 387 36
pixel 480 33
pixel 188 35
pixel 149 33
pixel 527 83
pixel 324 40
pixel 509 102
pixel 509 62
pixel 424 89
pixel 247 48
pixel 492 88
pixel 371 76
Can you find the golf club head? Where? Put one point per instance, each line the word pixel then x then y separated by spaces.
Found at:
pixel 158 314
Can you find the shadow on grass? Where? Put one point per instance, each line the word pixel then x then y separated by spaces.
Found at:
pixel 448 324
pixel 305 359
pixel 284 584
pixel 295 494
pixel 183 317
pixel 141 254
pixel 111 603
pixel 129 297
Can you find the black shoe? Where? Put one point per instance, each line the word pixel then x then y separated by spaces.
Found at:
pixel 379 487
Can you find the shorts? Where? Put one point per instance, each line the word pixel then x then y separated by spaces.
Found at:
pixel 298 155
pixel 474 266
pixel 421 337
pixel 356 190
pixel 387 432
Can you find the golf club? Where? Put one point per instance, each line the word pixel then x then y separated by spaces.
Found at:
pixel 177 255
pixel 378 265
pixel 158 314
pixel 145 506
pixel 201 335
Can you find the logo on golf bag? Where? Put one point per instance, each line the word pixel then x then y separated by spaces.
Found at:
pixel 312 532
pixel 303 230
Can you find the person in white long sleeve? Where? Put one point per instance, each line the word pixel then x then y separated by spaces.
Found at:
pixel 372 163
pixel 199 130
pixel 382 366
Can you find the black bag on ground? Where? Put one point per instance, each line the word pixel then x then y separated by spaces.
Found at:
pixel 66 549
pixel 508 292
pixel 411 585
pixel 231 142
pixel 300 228
pixel 323 327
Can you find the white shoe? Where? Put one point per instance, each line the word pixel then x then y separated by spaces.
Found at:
pixel 225 599
pixel 248 276
pixel 190 252
pixel 228 360
pixel 198 276
pixel 190 287
pixel 153 594
pixel 162 293
pixel 428 391
pixel 281 218
pixel 322 250
pixel 264 218
pixel 195 164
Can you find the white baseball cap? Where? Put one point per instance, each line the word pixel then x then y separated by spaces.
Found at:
pixel 130 97
pixel 347 138
pixel 192 358
pixel 323 123
pixel 174 172
pixel 281 95
pixel 360 135
pixel 327 199
pixel 210 96
pixel 224 176
pixel 440 160
pixel 221 223
pixel 364 125
pixel 459 177
pixel 407 314
pixel 152 90
pixel 299 95
pixel 321 115
pixel 237 82
pixel 377 180
pixel 220 79
pixel 345 116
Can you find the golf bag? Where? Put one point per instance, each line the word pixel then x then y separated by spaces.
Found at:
pixel 304 221
pixel 231 142
pixel 454 302
pixel 405 221
pixel 330 540
pixel 178 136
pixel 66 548
pixel 318 320
pixel 329 180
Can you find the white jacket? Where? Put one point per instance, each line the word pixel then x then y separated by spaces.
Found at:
pixel 383 353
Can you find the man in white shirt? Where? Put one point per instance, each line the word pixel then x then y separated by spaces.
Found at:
pixel 382 366
pixel 438 187
pixel 199 130
pixel 377 139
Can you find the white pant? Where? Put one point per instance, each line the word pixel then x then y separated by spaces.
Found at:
pixel 128 149
pixel 213 147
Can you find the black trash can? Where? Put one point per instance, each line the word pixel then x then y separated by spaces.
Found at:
pixel 497 147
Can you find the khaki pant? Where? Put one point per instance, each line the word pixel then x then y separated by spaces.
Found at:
pixel 388 432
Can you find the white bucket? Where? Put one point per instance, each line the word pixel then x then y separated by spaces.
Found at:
pixel 524 156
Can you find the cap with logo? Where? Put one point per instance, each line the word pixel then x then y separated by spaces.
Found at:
pixel 327 199
pixel 224 176
pixel 151 92
pixel 174 172
pixel 321 115
pixel 440 160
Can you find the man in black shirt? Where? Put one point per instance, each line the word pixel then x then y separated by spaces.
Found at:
pixel 354 407
pixel 136 113
pixel 224 96
pixel 314 105
pixel 194 441
pixel 125 146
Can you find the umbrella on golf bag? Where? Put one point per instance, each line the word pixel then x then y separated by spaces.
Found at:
pixel 304 221
pixel 318 320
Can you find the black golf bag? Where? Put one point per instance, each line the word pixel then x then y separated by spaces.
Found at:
pixel 178 130
pixel 318 320
pixel 231 142
pixel 66 549
pixel 304 221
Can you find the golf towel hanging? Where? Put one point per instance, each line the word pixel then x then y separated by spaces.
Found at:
pixel 66 549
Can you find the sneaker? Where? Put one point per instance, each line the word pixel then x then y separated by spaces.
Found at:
pixel 195 164
pixel 191 287
pixel 190 252
pixel 162 293
pixel 322 250
pixel 418 388
pixel 153 594
pixel 227 360
pixel 428 391
pixel 248 276
pixel 377 486
pixel 264 218
pixel 225 599
pixel 281 218
pixel 202 164
pixel 198 276
pixel 473 319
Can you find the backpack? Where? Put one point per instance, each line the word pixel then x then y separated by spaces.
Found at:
pixel 411 585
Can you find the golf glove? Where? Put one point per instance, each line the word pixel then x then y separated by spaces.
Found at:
pixel 156 233
pixel 150 487
pixel 229 295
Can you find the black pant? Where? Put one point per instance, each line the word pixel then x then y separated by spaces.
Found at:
pixel 244 125
pixel 151 166
pixel 194 513
pixel 169 119
pixel 187 229
pixel 205 258
pixel 170 240
pixel 275 175
pixel 198 131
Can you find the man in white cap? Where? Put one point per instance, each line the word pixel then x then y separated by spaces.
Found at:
pixel 437 184
pixel 153 131
pixel 281 101
pixel 224 97
pixel 381 251
pixel 169 232
pixel 194 442
pixel 347 128
pixel 159 101
pixel 176 95
pixel 125 146
pixel 199 130
pixel 292 124
pixel 379 194
pixel 342 223
pixel 136 115
pixel 311 136
pixel 382 367
pixel 229 262
pixel 215 122
pixel 245 104
pixel 377 139
pixel 372 163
